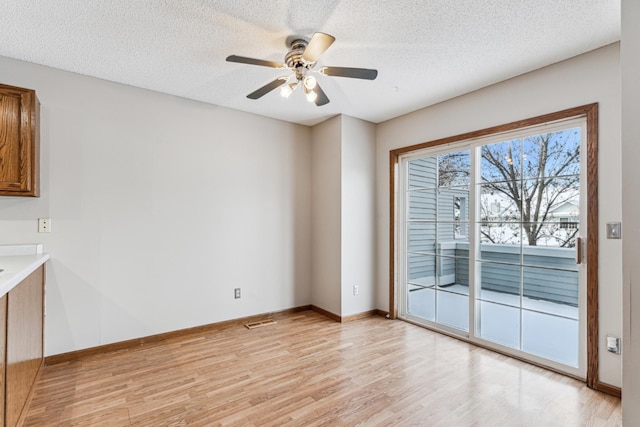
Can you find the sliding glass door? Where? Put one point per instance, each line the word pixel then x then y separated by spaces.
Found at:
pixel 437 227
pixel 489 237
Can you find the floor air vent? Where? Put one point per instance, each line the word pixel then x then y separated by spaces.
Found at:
pixel 260 324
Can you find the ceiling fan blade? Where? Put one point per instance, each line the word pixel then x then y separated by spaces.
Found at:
pixel 267 88
pixel 253 61
pixel 355 73
pixel 322 98
pixel 318 44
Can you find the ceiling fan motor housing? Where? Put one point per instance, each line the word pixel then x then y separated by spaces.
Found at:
pixel 293 58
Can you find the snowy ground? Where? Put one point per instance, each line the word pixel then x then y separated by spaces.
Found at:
pixel 549 330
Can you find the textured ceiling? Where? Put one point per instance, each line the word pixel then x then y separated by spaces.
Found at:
pixel 425 51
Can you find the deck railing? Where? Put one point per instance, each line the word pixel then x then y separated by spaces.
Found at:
pixel 546 273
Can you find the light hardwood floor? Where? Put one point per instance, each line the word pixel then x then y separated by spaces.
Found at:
pixel 307 370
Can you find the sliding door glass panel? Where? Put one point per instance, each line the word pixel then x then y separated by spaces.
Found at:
pixel 500 323
pixel 502 162
pixel 551 337
pixel 500 193
pixel 438 227
pixel 529 222
pixel 453 236
pixel 498 303
pixel 552 154
pixel 453 295
pixel 422 237
pixel 500 202
pixel 422 204
pixel 550 314
pixel 551 291
pixel 421 276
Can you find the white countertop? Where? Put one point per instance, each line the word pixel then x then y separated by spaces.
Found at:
pixel 17 262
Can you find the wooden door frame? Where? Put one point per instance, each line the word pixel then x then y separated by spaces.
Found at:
pixel 590 112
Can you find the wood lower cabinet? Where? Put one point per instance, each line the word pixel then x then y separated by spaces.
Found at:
pixel 24 344
pixel 19 142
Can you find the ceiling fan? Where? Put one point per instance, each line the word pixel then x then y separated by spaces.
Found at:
pixel 301 60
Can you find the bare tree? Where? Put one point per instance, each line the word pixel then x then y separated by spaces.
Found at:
pixel 453 169
pixel 533 176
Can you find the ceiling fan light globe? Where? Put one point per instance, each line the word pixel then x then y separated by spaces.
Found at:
pixel 311 96
pixel 310 82
pixel 285 91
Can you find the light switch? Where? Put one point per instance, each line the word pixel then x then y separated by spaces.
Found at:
pixel 614 230
pixel 613 344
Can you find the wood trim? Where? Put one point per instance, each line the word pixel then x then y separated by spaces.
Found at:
pixel 326 313
pixel 136 342
pixel 608 389
pixel 383 313
pixel 590 111
pixel 393 164
pixel 359 316
pixel 592 247
pixel 519 124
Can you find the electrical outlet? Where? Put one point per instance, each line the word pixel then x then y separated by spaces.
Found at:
pixel 355 289
pixel 44 225
pixel 236 293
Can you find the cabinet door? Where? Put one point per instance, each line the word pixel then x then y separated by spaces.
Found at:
pixel 19 142
pixel 24 342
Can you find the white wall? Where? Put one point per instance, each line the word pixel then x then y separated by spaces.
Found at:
pixel 358 216
pixel 593 77
pixel 630 46
pixel 343 215
pixel 326 210
pixel 160 206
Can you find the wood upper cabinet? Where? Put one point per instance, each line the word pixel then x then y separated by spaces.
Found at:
pixel 19 142
pixel 3 352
